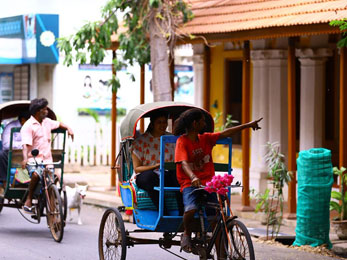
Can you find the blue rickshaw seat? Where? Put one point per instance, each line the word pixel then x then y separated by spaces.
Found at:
pixel 143 201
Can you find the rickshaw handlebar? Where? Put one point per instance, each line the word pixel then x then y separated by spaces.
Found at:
pixel 236 185
pixel 43 164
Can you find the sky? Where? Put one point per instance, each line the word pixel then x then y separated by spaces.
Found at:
pixel 73 13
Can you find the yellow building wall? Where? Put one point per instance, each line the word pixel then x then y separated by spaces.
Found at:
pixel 218 58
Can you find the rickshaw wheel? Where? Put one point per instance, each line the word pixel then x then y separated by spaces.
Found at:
pixel 63 197
pixel 64 204
pixel 2 199
pixel 112 238
pixel 54 213
pixel 242 246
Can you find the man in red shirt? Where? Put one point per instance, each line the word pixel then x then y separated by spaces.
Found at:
pixel 194 161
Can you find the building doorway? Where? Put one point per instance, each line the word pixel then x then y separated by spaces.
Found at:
pixel 233 93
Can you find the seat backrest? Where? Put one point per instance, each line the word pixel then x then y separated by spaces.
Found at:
pixel 57 155
pixel 17 158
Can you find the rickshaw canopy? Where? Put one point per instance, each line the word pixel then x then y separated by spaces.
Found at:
pixel 173 108
pixel 14 108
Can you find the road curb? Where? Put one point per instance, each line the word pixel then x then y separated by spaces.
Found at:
pixel 101 203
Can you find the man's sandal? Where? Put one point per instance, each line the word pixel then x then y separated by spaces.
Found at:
pixel 29 210
pixel 186 245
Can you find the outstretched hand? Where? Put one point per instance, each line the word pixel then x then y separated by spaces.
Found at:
pixel 70 133
pixel 254 124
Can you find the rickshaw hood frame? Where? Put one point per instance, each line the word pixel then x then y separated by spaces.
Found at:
pixel 129 123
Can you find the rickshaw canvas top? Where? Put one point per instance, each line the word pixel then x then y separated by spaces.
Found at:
pixel 13 108
pixel 129 123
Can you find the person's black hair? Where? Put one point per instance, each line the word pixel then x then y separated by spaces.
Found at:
pixel 153 117
pixel 186 120
pixel 37 104
pixel 24 114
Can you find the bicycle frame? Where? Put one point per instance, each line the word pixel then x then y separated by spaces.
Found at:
pixel 49 198
pixel 220 223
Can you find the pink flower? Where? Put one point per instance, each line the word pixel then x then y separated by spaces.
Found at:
pixel 209 190
pixel 222 191
pixel 219 184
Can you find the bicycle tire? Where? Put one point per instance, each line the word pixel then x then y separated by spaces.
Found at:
pixel 63 196
pixel 241 241
pixel 54 213
pixel 64 204
pixel 2 200
pixel 112 242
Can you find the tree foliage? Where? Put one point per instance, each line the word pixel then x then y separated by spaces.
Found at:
pixel 340 196
pixel 90 43
pixel 342 24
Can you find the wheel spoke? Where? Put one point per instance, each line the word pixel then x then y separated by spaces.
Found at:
pixel 54 213
pixel 242 246
pixel 112 236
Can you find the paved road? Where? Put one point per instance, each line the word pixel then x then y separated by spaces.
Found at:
pixel 22 240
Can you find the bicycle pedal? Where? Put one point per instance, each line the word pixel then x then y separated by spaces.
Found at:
pixel 195 250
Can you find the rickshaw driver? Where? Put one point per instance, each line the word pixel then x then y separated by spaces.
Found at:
pixel 194 161
pixel 16 144
pixel 36 134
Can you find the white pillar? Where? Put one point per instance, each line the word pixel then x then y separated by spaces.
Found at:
pixel 260 108
pixel 270 102
pixel 312 94
pixel 198 66
pixel 278 99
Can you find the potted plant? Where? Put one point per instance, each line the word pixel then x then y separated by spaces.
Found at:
pixel 271 202
pixel 339 204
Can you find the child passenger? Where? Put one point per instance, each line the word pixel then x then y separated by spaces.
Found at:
pixel 194 162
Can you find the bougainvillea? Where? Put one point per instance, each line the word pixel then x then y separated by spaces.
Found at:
pixel 219 184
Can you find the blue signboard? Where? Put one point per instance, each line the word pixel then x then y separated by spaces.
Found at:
pixel 29 38
pixel 11 27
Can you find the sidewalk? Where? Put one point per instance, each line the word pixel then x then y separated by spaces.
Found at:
pixel 101 194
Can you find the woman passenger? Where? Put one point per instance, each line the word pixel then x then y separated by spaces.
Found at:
pixel 146 159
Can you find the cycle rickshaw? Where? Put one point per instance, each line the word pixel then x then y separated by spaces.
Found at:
pixel 114 239
pixel 49 197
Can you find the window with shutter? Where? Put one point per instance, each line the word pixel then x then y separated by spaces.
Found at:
pixel 21 82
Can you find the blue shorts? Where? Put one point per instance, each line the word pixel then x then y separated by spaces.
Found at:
pixel 38 169
pixel 190 199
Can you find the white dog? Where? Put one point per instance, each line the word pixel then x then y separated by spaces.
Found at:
pixel 75 198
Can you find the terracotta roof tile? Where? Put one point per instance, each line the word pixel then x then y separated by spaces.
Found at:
pixel 218 16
